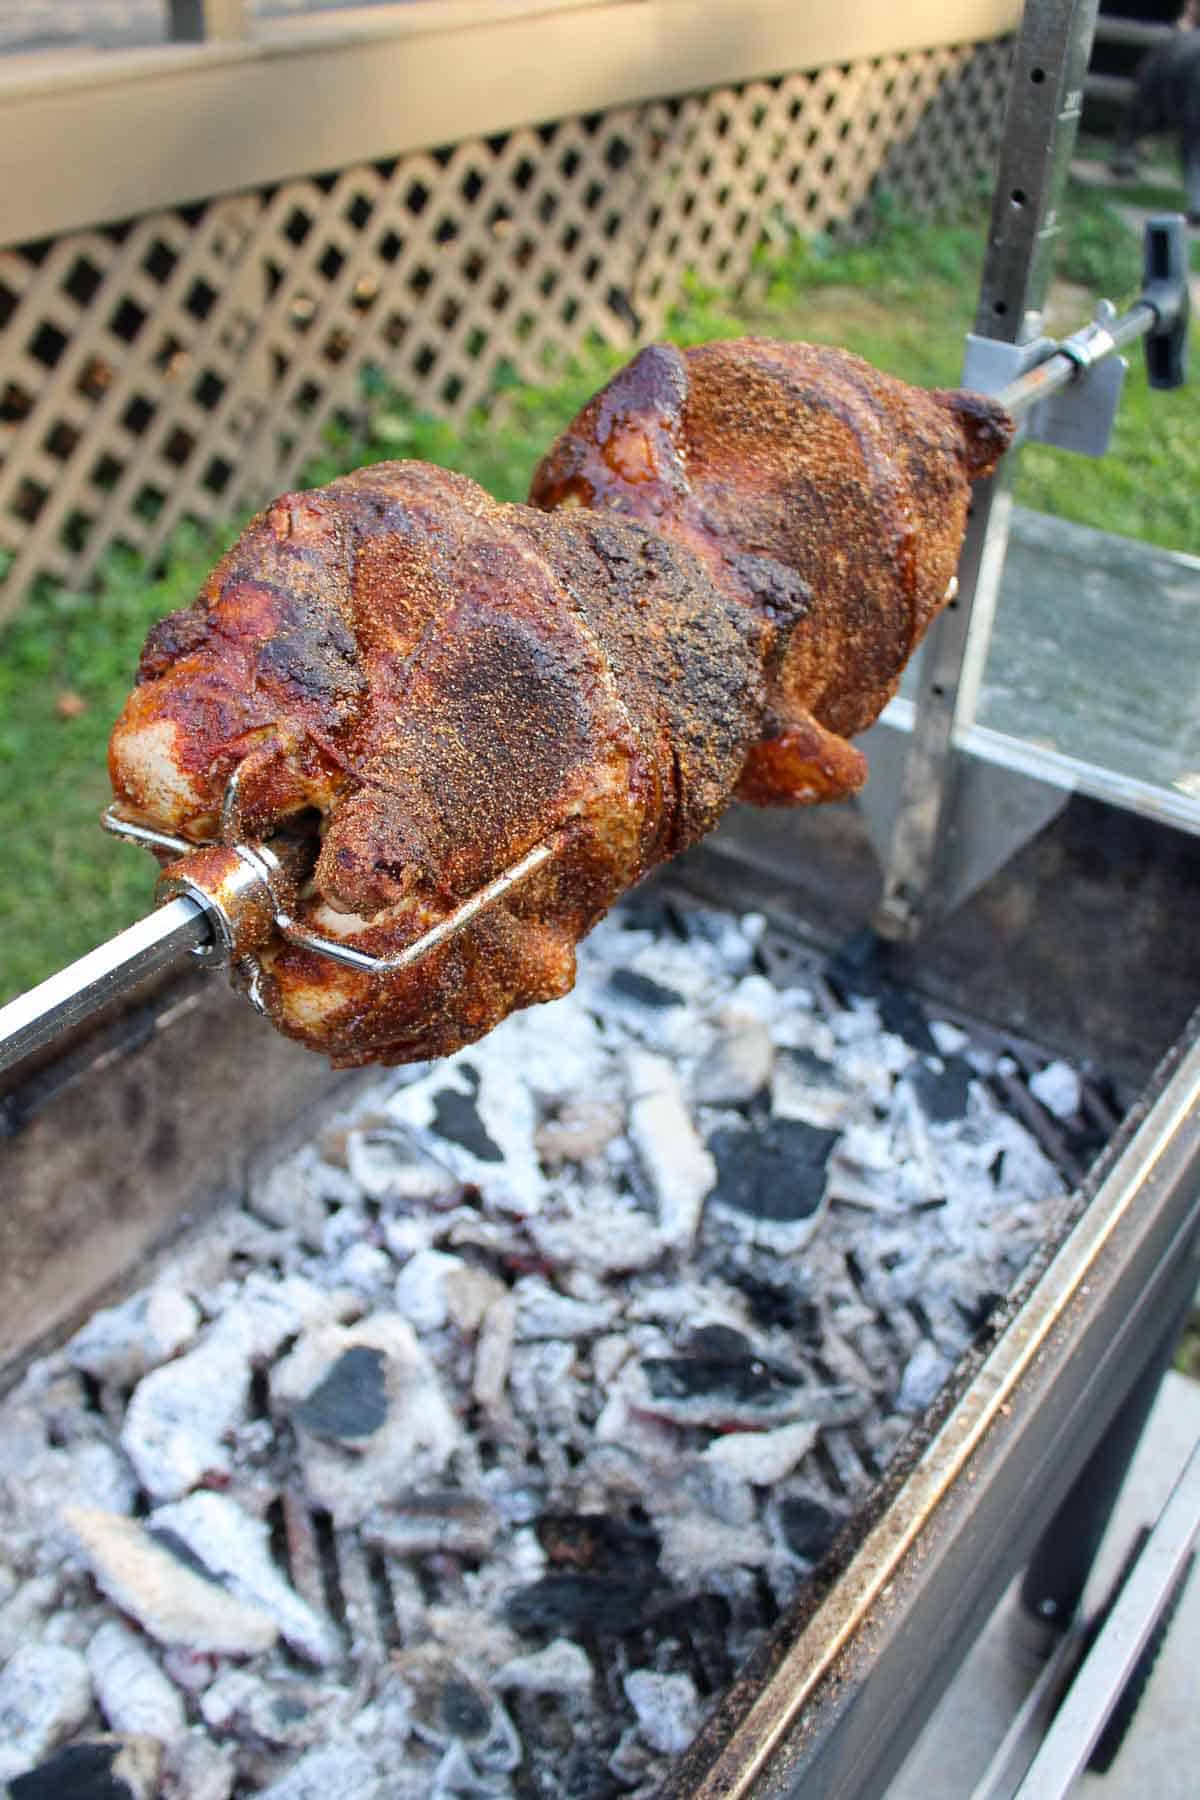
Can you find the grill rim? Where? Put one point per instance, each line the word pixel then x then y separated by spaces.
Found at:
pixel 889 1629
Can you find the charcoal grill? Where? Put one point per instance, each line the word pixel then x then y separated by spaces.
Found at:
pixel 126 1120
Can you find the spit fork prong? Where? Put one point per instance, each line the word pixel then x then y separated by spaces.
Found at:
pixel 448 927
pixel 150 839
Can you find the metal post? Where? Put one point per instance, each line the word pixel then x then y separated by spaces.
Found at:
pixel 1043 115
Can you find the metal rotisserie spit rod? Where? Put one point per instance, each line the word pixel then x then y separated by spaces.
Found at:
pixel 1159 315
pixel 33 1020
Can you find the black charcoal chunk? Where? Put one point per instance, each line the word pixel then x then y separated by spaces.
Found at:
pixel 943 1091
pixel 629 985
pixel 447 1519
pixel 779 1294
pixel 772 1304
pixel 747 1383
pixel 906 1018
pixel 815 1069
pixel 776 1173
pixel 977 1311
pixel 597 1543
pixel 720 1365
pixel 465 1712
pixel 860 965
pixel 1085 1141
pixel 587 1776
pixel 103 1769
pixel 456 1118
pixel 350 1402
pixel 646 910
pixel 808 1527
pixel 183 1553
pixel 574 1605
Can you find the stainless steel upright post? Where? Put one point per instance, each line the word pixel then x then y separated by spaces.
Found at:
pixel 1043 115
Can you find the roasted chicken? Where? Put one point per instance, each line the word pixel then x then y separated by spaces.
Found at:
pixel 811 487
pixel 731 555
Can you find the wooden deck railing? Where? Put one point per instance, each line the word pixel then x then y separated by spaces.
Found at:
pixel 210 245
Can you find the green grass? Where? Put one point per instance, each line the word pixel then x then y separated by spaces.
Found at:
pixel 64 886
pixel 903 300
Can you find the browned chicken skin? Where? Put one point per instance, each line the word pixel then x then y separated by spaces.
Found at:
pixel 800 476
pixel 431 683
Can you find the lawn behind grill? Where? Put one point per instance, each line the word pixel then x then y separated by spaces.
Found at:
pixel 903 300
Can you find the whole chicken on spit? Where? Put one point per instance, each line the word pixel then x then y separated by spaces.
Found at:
pixel 731 554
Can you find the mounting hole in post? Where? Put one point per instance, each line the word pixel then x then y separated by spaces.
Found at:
pixel 937 690
pixel 1018 196
pixel 1000 307
pixel 1037 76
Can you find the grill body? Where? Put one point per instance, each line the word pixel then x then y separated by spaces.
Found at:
pixel 113 1151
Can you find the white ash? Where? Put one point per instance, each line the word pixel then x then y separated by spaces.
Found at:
pixel 762 1457
pixel 234 1550
pixel 542 1312
pixel 561 1668
pixel 476 1114
pixel 1058 1088
pixel 679 1169
pixel 191 1670
pixel 386 1166
pixel 83 1474
pixel 132 1692
pixel 334 1773
pixel 45 1696
pixel 528 1391
pixel 173 1604
pixel 667 1708
pixel 183 1417
pixel 24 1616
pixel 365 1269
pixel 738 1064
pixel 123 1343
pixel 196 1768
pixel 493 1354
pixel 283 1713
pixel 434 1289
pixel 578 1132
pixel 449 1704
pixel 925 1374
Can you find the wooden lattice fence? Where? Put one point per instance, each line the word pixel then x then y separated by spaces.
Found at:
pixel 185 363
